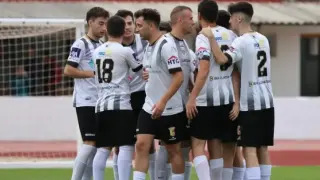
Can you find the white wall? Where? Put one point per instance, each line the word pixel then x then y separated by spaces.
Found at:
pixel 286 65
pixel 53 118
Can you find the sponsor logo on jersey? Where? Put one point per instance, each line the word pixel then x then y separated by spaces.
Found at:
pixel 173 60
pixel 75 52
pixel 202 52
pixel 101 53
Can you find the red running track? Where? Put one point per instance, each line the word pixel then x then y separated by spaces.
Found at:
pixel 284 153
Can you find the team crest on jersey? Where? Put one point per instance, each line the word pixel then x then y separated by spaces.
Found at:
pixel 173 60
pixel 75 52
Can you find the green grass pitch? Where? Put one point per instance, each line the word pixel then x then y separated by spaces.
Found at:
pixel 278 173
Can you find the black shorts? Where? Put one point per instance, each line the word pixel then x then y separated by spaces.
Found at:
pixel 137 101
pixel 115 128
pixel 87 122
pixel 169 129
pixel 256 128
pixel 213 123
pixel 187 128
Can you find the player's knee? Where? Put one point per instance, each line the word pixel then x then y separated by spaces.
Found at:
pixel 215 149
pixel 142 146
pixel 198 146
pixel 249 152
pixel 91 143
pixel 174 150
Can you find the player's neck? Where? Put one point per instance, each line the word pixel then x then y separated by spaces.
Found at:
pixel 128 40
pixel 207 24
pixel 154 37
pixel 91 36
pixel 177 33
pixel 113 39
pixel 244 29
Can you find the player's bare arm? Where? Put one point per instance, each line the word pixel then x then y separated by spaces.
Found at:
pixel 177 80
pixel 236 88
pixel 220 57
pixel 203 71
pixel 74 72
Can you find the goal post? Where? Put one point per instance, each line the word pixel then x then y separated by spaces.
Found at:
pixel 38 126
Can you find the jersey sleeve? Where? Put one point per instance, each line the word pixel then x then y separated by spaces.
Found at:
pixel 203 48
pixel 77 52
pixel 193 61
pixel 132 60
pixel 234 52
pixel 169 54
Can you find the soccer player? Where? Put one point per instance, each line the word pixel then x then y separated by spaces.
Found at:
pixel 182 23
pixel 137 85
pixel 211 104
pixel 229 157
pixel 162 114
pixel 116 125
pixel 80 67
pixel 251 49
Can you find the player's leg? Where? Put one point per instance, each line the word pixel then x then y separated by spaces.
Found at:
pixel 221 114
pixel 146 130
pixel 229 138
pixel 152 162
pixel 126 141
pixel 239 165
pixel 82 169
pixel 115 163
pixel 172 133
pixel 161 162
pixel 200 131
pixel 267 116
pixel 250 140
pixel 186 145
pixel 104 141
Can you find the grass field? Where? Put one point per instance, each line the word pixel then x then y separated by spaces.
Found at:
pixel 278 173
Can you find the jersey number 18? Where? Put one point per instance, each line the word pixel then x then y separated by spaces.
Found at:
pixel 104 70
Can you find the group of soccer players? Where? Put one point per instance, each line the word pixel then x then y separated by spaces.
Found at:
pixel 145 83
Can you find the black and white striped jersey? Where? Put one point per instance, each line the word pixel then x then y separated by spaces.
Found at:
pixel 113 63
pixel 218 89
pixel 85 90
pixel 252 52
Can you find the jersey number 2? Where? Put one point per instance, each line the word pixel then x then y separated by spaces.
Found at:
pixel 104 68
pixel 224 48
pixel 262 58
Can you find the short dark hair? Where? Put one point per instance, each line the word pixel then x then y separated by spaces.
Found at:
pixel 176 10
pixel 138 14
pixel 208 10
pixel 96 12
pixel 116 26
pixel 223 19
pixel 165 26
pixel 242 7
pixel 151 15
pixel 124 13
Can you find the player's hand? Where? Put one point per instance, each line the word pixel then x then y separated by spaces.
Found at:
pixel 145 74
pixel 191 109
pixel 158 109
pixel 207 32
pixel 235 111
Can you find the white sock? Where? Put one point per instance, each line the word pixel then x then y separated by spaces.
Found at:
pixel 139 175
pixel 99 163
pixel 238 173
pixel 202 167
pixel 152 165
pixel 253 173
pixel 80 162
pixel 216 167
pixel 187 170
pixel 88 172
pixel 227 173
pixel 161 162
pixel 177 176
pixel 125 162
pixel 265 172
pixel 169 172
pixel 115 166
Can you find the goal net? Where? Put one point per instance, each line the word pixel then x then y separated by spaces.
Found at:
pixel 38 126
